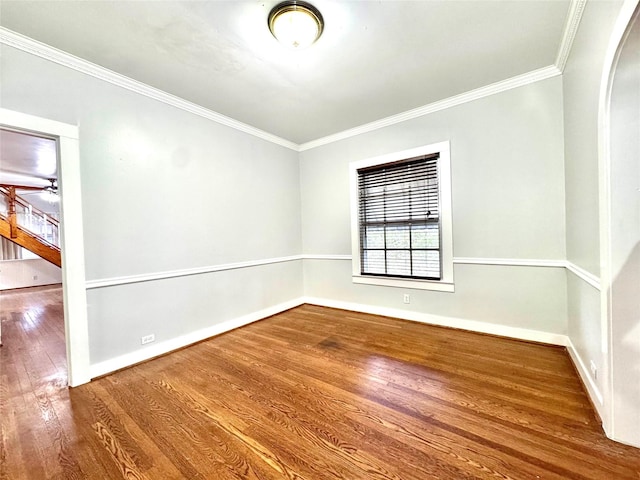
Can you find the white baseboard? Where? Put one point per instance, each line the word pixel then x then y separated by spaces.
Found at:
pixel 472 325
pixel 592 389
pixel 482 327
pixel 167 346
pixel 129 359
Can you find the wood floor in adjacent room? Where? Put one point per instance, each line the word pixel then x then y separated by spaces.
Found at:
pixel 312 393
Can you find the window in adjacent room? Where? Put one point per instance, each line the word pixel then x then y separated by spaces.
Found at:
pixel 401 219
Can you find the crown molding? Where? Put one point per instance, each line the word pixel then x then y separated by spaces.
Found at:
pixel 34 47
pixel 42 50
pixel 478 93
pixel 574 15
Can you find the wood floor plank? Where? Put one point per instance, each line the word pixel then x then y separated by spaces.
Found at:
pixel 437 437
pixel 311 424
pixel 237 420
pixel 312 393
pixel 334 425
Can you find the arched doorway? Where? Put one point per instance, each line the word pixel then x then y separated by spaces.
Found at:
pixel 620 224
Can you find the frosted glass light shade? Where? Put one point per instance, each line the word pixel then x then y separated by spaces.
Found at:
pixel 296 24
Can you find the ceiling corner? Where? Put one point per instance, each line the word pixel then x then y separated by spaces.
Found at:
pixel 574 15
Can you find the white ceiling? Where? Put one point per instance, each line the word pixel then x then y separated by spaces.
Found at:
pixel 374 59
pixel 27 159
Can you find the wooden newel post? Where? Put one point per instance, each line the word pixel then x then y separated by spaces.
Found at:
pixel 13 223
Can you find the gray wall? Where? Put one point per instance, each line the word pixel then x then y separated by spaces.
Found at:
pixel 581 88
pixel 508 202
pixel 581 83
pixel 166 190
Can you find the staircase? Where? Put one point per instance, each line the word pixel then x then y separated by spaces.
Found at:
pixel 25 225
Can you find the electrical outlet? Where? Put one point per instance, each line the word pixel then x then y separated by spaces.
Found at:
pixel 406 298
pixel 35 277
pixel 148 339
pixel 594 370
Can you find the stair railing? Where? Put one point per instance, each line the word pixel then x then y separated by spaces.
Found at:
pixel 21 213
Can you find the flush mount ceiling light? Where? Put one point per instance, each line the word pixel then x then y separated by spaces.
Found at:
pixel 296 24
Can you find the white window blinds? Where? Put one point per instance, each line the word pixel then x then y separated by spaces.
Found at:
pixel 399 219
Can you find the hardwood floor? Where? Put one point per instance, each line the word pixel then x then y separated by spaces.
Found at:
pixel 313 393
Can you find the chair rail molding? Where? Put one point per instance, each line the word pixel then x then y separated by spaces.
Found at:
pixel 148 277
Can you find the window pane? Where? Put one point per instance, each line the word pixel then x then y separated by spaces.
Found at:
pixel 373 261
pixel 426 264
pixel 398 262
pixel 399 209
pixel 374 237
pixel 398 237
pixel 425 236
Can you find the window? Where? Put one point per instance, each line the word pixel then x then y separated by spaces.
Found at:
pixel 401 219
pixel 399 222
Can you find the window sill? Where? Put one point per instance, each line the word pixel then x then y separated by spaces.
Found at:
pixel 438 286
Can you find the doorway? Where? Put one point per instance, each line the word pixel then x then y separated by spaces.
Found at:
pixel 620 226
pixel 71 235
pixel 30 209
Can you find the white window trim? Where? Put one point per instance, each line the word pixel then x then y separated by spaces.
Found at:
pixel 446 247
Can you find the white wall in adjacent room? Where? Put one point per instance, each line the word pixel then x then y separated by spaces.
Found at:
pixel 31 272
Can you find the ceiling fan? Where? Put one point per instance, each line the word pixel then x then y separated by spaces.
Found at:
pixel 47 192
pixel 52 188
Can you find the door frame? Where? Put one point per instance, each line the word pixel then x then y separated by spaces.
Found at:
pixel 71 236
pixel 616 43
